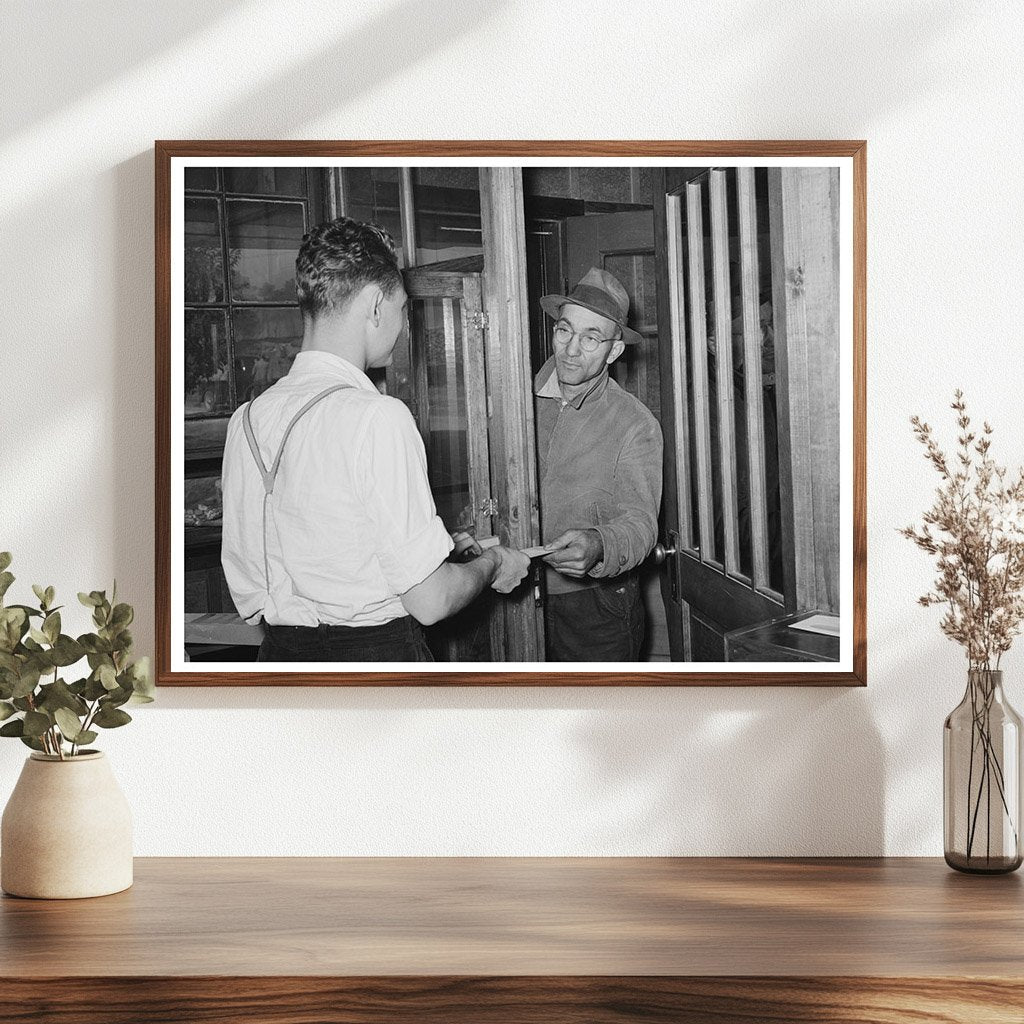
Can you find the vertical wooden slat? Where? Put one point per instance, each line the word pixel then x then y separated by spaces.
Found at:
pixel 750 298
pixel 699 367
pixel 804 229
pixel 723 368
pixel 475 383
pixel 478 450
pixel 513 445
pixel 407 212
pixel 680 398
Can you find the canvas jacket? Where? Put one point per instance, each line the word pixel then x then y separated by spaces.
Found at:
pixel 600 468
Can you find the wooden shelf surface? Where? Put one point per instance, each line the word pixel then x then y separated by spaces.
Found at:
pixel 670 936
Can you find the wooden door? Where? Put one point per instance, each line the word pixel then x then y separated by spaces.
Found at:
pixel 748 276
pixel 439 373
pixel 623 243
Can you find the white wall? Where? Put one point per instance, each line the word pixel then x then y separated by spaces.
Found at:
pixel 935 87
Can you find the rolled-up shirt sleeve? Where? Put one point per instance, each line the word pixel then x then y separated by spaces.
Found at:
pixel 631 535
pixel 411 540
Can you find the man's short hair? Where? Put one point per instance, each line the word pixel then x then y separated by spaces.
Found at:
pixel 337 259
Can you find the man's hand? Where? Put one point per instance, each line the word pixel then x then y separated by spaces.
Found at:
pixel 575 552
pixel 466 547
pixel 512 567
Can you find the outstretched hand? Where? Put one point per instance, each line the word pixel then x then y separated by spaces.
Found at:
pixel 512 567
pixel 575 552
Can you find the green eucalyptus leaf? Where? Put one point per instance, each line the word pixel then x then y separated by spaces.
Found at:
pixel 27 682
pixel 107 676
pixel 31 741
pixel 89 600
pixel 86 736
pixel 142 678
pixel 67 651
pixel 51 626
pixel 115 698
pixel 9 663
pixel 69 724
pixel 40 592
pixel 111 718
pixel 39 636
pixel 22 703
pixel 28 610
pixel 6 579
pixel 5 560
pixel 50 595
pixel 94 689
pixel 30 645
pixel 6 710
pixel 94 644
pixel 15 728
pixel 59 695
pixel 122 616
pixel 36 723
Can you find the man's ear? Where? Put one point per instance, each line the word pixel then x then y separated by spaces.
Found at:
pixel 616 350
pixel 376 303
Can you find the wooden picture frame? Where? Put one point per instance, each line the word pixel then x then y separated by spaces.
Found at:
pixel 757 240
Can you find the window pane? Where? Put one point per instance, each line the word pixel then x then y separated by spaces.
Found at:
pixel 282 181
pixel 447 218
pixel 371 196
pixel 266 342
pixel 436 326
pixel 207 388
pixel 204 178
pixel 204 263
pixel 204 505
pixel 263 241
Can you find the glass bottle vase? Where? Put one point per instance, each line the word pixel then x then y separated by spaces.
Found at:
pixel 981 772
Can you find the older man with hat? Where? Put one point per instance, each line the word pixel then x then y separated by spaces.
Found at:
pixel 599 451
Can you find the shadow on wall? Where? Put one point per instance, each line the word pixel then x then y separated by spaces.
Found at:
pixel 811 55
pixel 71 30
pixel 793 772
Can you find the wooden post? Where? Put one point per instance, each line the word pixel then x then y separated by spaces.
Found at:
pixel 510 381
pixel 804 214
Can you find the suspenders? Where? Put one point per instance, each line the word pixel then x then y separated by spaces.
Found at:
pixel 270 475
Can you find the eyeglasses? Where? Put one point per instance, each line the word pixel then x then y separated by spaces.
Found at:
pixel 563 335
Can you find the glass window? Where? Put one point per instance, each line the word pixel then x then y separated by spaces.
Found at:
pixel 204 260
pixel 207 382
pixel 263 240
pixel 201 178
pixel 281 181
pixel 266 342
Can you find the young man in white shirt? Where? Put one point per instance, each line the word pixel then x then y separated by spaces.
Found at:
pixel 330 531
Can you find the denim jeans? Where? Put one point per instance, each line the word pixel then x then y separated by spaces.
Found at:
pixel 604 623
pixel 398 640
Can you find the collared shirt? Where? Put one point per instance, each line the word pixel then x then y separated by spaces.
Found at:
pixel 600 468
pixel 351 524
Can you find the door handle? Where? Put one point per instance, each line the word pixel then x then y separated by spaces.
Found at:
pixel 661 552
pixel 666 551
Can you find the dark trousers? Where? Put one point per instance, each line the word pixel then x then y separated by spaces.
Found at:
pixel 398 640
pixel 604 623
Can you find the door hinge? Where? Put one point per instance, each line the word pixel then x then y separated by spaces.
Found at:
pixel 488 507
pixel 479 320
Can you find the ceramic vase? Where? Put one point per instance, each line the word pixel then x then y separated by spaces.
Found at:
pixel 66 830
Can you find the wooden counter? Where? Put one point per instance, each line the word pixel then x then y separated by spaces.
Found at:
pixel 501 941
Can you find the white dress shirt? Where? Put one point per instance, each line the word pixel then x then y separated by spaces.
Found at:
pixel 351 523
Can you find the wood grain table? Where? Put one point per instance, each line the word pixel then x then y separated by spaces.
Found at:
pixel 503 941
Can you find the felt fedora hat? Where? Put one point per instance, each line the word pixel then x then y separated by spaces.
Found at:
pixel 600 292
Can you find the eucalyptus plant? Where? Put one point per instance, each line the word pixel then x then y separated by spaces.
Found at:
pixel 46 712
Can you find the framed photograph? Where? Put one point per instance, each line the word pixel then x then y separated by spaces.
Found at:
pixel 492 413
